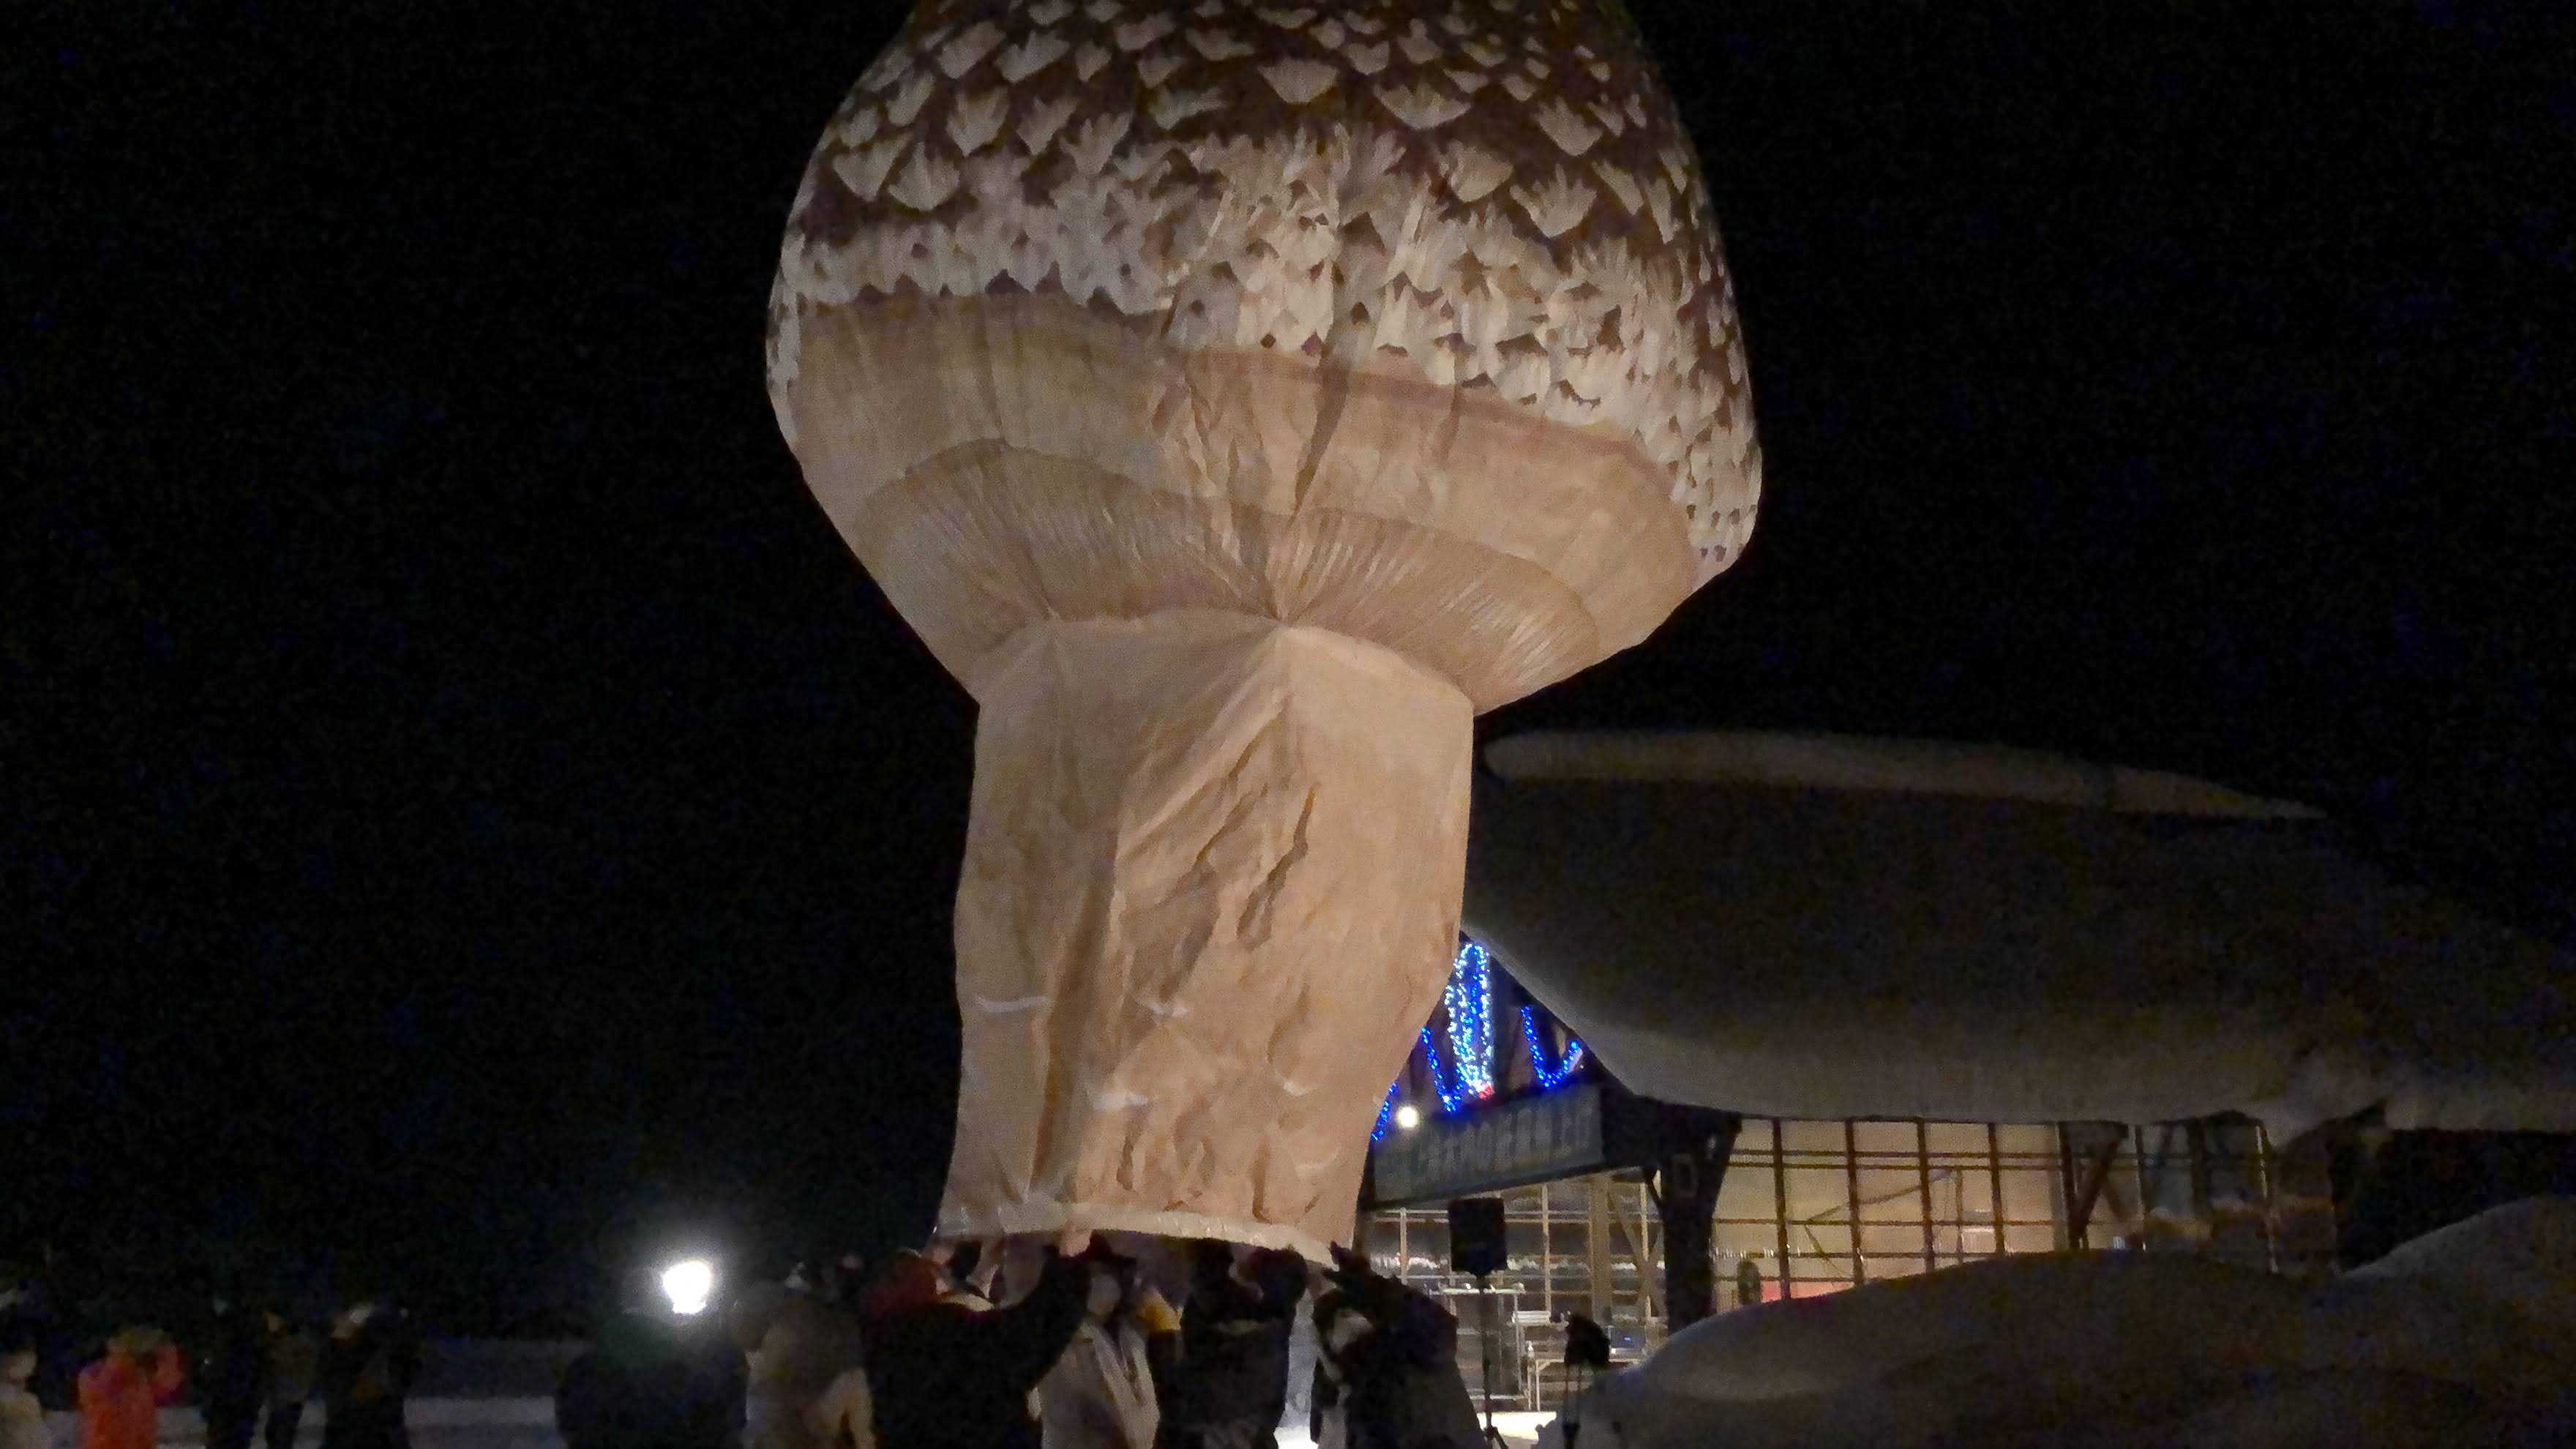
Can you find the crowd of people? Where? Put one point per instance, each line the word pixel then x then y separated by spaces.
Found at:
pixel 1073 1346
pixel 249 1370
pixel 1035 1349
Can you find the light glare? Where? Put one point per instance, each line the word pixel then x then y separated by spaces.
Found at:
pixel 1408 1117
pixel 689 1285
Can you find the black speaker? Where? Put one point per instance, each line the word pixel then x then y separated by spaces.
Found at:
pixel 1476 1235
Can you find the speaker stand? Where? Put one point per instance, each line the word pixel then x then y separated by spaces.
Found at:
pixel 1485 1357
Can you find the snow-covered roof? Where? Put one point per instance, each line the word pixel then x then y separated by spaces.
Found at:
pixel 1812 926
pixel 1853 762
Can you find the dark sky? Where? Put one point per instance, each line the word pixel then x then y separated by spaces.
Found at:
pixel 462 805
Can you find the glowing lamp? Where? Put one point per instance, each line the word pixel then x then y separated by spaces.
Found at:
pixel 690 1284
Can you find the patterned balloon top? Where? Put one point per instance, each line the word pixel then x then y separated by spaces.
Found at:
pixel 1483 194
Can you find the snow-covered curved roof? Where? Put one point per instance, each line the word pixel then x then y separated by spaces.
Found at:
pixel 1852 762
pixel 1814 926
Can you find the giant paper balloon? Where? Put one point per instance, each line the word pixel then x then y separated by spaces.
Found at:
pixel 1237 398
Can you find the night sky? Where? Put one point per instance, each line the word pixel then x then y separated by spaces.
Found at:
pixel 461 806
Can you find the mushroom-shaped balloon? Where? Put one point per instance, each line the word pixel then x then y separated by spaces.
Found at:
pixel 1237 398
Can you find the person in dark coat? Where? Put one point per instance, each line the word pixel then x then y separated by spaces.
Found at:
pixel 367 1372
pixel 1230 1386
pixel 294 1364
pixel 27 1321
pixel 642 1386
pixel 232 1376
pixel 1388 1368
pixel 944 1376
pixel 1748 1283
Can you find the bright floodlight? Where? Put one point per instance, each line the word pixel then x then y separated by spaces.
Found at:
pixel 1408 1117
pixel 689 1285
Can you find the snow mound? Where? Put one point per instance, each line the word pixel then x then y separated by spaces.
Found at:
pixel 2520 1257
pixel 2120 1349
pixel 2344 1409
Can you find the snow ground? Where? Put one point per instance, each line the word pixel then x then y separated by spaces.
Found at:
pixel 435 1424
pixel 1517 1429
pixel 530 1424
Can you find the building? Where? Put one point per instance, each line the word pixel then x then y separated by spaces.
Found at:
pixel 1500 1099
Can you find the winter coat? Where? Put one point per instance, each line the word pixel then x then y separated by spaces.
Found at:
pixel 641 1387
pixel 1230 1386
pixel 22 1420
pixel 806 1346
pixel 294 1361
pixel 121 1398
pixel 232 1380
pixel 943 1376
pixel 26 1323
pixel 846 1415
pixel 1100 1394
pixel 1396 1385
pixel 365 1377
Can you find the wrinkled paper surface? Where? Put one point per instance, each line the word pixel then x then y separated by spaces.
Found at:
pixel 1210 894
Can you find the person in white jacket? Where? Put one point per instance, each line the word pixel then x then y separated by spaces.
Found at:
pixel 22 1418
pixel 796 1348
pixel 845 1417
pixel 1100 1394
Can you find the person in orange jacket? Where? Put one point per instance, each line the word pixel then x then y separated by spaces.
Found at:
pixel 121 1395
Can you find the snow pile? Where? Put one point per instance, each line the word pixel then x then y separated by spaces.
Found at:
pixel 2520 1258
pixel 2463 1337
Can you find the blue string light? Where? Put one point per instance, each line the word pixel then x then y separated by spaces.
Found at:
pixel 1549 1078
pixel 1470 999
pixel 1451 1099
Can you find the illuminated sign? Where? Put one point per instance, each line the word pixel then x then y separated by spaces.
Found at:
pixel 1529 1139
